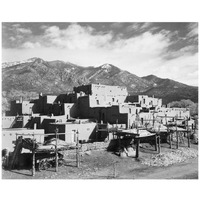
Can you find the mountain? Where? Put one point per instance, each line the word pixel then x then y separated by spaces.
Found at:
pixel 170 90
pixel 60 77
pixel 9 64
pixel 30 77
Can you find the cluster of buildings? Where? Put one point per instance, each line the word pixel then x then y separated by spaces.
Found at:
pixel 82 109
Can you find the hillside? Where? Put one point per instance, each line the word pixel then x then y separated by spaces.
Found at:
pixel 170 90
pixel 28 78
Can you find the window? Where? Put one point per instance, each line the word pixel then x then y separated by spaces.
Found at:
pixel 113 99
pixel 97 102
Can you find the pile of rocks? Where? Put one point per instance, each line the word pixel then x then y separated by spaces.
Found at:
pixel 94 146
pixel 169 158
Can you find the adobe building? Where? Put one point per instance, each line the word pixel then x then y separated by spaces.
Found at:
pixel 170 114
pixel 100 103
pixel 144 101
pixel 98 96
pixel 20 107
pixel 86 129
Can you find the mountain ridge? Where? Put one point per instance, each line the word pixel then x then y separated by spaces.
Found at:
pixel 37 75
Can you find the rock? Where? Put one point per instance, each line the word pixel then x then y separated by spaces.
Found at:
pixel 88 153
pixel 131 152
pixel 84 147
pixel 195 138
pixel 123 154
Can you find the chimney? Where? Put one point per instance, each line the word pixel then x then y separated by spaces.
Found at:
pixel 35 126
pixel 21 100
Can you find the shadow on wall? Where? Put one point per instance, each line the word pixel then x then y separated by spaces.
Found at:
pixel 45 125
pixel 98 136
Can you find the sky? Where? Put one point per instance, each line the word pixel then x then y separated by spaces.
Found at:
pixel 167 50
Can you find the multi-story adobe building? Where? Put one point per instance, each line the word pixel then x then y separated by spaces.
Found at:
pixel 102 103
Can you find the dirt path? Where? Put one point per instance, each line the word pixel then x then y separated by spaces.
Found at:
pixel 107 165
pixel 185 170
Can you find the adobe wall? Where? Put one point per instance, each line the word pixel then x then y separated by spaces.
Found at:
pixel 27 108
pixel 9 135
pixel 16 108
pixel 83 107
pixel 109 90
pixel 87 131
pixel 112 114
pixel 174 112
pixel 83 88
pixel 7 121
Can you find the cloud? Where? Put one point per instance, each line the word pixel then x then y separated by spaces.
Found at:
pixel 24 30
pixel 18 29
pixel 183 69
pixel 75 37
pixel 31 45
pixel 193 29
pixel 140 27
pixel 16 25
pixel 117 25
pixel 12 38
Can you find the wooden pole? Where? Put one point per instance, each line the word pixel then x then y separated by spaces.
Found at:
pixel 119 139
pixel 97 127
pixel 177 138
pixel 137 144
pixel 33 161
pixel 56 148
pixel 159 147
pixel 77 150
pixel 188 135
pixel 170 139
pixel 137 147
pixel 107 131
pixel 156 144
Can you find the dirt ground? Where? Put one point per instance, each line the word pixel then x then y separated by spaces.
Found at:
pixel 107 165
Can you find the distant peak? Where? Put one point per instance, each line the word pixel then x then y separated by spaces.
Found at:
pixel 33 59
pixel 30 60
pixel 38 60
pixel 106 66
